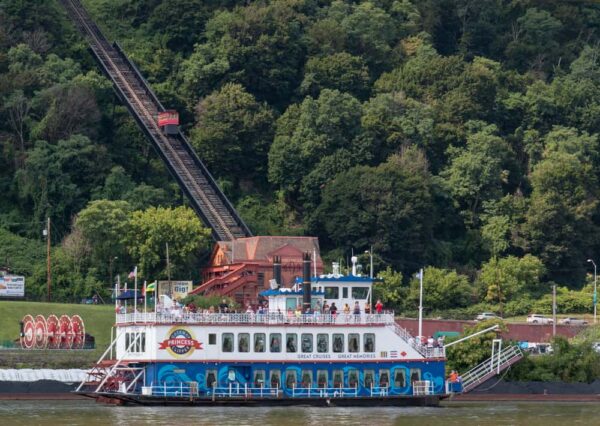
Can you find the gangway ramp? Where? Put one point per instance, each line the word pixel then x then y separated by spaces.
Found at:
pixel 193 177
pixel 498 362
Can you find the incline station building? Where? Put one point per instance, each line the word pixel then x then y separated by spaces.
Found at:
pixel 242 268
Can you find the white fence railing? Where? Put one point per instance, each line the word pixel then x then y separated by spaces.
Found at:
pixel 272 318
pixel 423 387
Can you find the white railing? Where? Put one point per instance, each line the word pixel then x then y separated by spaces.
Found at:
pixel 236 390
pixel 335 392
pixel 426 351
pixel 490 367
pixel 268 318
pixel 423 387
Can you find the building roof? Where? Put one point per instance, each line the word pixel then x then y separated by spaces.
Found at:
pixel 264 248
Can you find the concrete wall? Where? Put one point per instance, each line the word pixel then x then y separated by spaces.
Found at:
pixel 518 332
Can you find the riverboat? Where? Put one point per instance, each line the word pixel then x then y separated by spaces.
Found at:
pixel 277 357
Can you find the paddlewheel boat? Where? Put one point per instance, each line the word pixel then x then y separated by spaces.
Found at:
pixel 169 357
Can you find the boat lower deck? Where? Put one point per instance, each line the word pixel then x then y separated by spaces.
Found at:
pixel 326 401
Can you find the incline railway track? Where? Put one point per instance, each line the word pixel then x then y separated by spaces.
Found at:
pixel 193 177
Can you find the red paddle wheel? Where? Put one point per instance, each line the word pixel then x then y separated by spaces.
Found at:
pixel 78 331
pixel 28 337
pixel 52 329
pixel 66 336
pixel 41 333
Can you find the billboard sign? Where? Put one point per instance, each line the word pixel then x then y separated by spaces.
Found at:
pixel 12 286
pixel 176 290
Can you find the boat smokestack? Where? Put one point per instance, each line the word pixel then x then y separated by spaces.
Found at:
pixel 277 270
pixel 306 282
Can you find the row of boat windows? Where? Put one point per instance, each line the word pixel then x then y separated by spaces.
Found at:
pixel 357 293
pixel 336 342
pixel 136 342
pixel 323 379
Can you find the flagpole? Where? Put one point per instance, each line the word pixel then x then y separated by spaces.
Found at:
pixel 135 294
pixel 145 298
pixel 116 297
pixel 421 303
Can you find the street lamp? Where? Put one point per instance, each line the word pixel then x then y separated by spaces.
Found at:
pixel 595 294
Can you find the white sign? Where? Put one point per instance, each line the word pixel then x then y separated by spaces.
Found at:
pixel 12 286
pixel 175 289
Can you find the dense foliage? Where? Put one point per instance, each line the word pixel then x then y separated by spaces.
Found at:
pixel 453 133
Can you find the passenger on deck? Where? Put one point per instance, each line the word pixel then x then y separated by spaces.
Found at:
pixel 223 306
pixel 346 309
pixel 367 308
pixel 325 307
pixel 379 306
pixel 333 309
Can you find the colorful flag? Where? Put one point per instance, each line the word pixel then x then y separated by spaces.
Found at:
pixel 133 273
pixel 151 287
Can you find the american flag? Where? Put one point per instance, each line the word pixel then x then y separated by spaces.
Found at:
pixel 393 354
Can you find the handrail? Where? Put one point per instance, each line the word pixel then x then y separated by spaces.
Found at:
pixel 272 318
pixel 481 370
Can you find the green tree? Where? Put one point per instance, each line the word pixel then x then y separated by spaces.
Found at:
pixel 470 353
pixel 477 172
pixel 340 71
pixel 442 289
pixel 150 230
pixel 58 179
pixel 388 206
pixel 560 221
pixel 510 278
pixel 103 223
pixel 233 133
pixel 308 133
pixel 390 290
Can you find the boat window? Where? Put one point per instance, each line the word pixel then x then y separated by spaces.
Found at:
pixel 369 342
pixel 352 378
pixel 212 339
pixel 290 303
pixel 415 375
pixel 143 342
pixel 338 343
pixel 322 343
pixel 127 341
pixel 307 378
pixel 259 342
pixel 211 378
pixel 259 378
pixel 307 342
pixel 227 345
pixel 353 342
pixel 322 378
pixel 290 379
pixel 399 378
pixel 360 292
pixel 369 378
pixel 244 342
pixel 338 378
pixel 384 378
pixel 332 293
pixel 344 292
pixel 275 378
pixel 275 339
pixel 291 342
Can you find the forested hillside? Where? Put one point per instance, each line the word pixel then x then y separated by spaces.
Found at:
pixel 458 134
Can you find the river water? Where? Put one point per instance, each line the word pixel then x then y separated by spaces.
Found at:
pixel 88 413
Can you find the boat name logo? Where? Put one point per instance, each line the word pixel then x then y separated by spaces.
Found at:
pixel 180 343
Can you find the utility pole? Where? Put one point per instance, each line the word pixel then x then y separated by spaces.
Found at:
pixel 554 310
pixel 48 262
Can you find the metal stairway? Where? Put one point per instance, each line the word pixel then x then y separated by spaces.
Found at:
pixel 499 362
pixel 205 196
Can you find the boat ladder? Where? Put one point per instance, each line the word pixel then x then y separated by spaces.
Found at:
pixel 500 360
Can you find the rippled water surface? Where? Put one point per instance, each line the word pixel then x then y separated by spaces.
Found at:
pixel 88 413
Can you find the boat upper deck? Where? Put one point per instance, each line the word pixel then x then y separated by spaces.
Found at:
pixel 270 318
